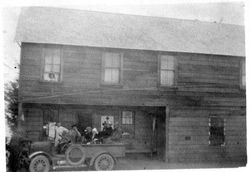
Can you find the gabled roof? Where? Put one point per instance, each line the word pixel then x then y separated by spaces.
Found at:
pixel 99 29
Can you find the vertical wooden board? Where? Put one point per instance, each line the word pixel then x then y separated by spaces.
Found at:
pixel 33 123
pixel 68 117
pixel 84 118
pixel 167 156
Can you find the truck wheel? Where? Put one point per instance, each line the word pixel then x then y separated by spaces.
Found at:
pixel 75 155
pixel 39 163
pixel 104 162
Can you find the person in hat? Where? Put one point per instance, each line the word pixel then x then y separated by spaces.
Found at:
pixel 74 134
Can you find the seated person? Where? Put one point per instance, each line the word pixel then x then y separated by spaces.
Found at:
pixel 116 135
pixel 63 142
pixel 95 134
pixel 74 134
pixel 59 131
pixel 88 135
pixel 107 130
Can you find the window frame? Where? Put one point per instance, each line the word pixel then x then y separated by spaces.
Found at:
pixel 132 117
pixel 133 121
pixel 242 61
pixel 53 47
pixel 174 71
pixel 224 130
pixel 120 69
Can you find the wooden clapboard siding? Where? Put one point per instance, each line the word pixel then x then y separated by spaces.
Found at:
pixel 33 123
pixel 82 73
pixel 189 135
pixel 206 85
pixel 85 116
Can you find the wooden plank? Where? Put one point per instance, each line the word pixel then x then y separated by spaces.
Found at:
pixel 82 70
pixel 167 142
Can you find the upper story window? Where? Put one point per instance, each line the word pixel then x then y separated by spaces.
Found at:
pixel 112 68
pixel 216 131
pixel 167 70
pixel 243 74
pixel 52 65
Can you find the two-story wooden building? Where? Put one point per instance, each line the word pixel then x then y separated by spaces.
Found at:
pixel 175 86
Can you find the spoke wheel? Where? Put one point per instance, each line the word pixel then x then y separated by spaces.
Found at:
pixel 39 164
pixel 104 162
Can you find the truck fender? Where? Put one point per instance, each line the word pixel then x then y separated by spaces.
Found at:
pixel 34 154
pixel 99 153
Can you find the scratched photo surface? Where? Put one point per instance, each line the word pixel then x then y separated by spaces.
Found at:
pixel 125 87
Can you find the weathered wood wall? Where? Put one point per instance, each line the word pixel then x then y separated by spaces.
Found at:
pixel 85 116
pixel 206 84
pixel 213 80
pixel 189 135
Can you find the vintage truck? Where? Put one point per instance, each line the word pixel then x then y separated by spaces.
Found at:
pixel 41 156
pixel 96 156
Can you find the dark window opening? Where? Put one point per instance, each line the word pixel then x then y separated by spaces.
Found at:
pixel 216 131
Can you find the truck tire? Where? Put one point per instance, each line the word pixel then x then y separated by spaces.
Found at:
pixel 104 162
pixel 39 163
pixel 75 155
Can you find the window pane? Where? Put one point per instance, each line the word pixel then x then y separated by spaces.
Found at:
pixel 167 78
pixel 108 61
pixel 56 77
pixel 116 60
pixel 48 59
pixel 112 60
pixel 111 75
pixel 46 76
pixel 216 131
pixel 115 76
pixel 51 76
pixel 124 121
pixel 56 59
pixel 163 77
pixel 170 78
pixel 167 62
pixel 56 68
pixel 216 122
pixel 47 68
pixel 127 117
pixel 108 75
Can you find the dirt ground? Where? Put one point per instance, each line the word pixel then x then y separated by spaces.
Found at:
pixel 148 163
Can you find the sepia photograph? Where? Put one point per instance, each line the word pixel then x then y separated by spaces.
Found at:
pixel 132 86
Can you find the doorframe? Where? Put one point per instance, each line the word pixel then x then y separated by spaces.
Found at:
pixel 167 113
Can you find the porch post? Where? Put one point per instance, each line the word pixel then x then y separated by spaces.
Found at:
pixel 167 134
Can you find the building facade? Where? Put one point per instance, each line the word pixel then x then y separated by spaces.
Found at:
pixel 175 87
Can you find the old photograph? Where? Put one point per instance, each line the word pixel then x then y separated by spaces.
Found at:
pixel 125 87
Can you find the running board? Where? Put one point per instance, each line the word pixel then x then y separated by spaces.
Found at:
pixel 68 166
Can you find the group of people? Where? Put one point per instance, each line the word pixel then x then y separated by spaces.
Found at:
pixel 88 136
